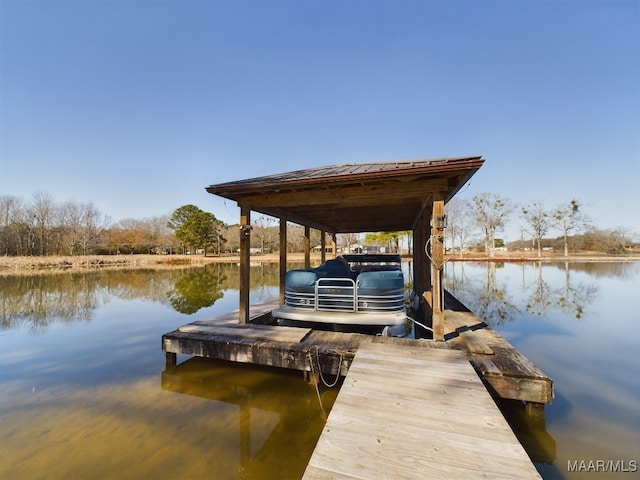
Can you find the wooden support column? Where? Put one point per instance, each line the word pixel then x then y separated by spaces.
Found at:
pixel 334 245
pixel 171 360
pixel 437 255
pixel 307 246
pixel 419 258
pixel 422 268
pixel 426 232
pixel 245 253
pixel 283 256
pixel 323 246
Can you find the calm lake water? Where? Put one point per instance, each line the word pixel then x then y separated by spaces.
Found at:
pixel 84 392
pixel 579 323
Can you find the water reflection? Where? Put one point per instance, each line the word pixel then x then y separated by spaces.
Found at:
pixel 195 290
pixel 279 418
pixel 505 301
pixel 482 294
pixel 577 323
pixel 35 301
pixel 531 432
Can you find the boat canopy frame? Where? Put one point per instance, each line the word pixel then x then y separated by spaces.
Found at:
pixel 356 198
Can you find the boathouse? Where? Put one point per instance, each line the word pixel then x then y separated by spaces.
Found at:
pixel 355 198
pixel 461 433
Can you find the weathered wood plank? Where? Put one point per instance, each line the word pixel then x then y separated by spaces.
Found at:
pixel 332 352
pixel 261 332
pixel 508 373
pixel 396 419
pixel 475 344
pixel 456 322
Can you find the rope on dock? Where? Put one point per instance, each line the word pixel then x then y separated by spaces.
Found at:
pixel 312 366
pixel 423 326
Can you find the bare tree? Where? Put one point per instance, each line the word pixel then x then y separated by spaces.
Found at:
pixel 538 221
pixel 569 218
pixel 160 236
pixel 459 221
pixel 491 213
pixel 265 231
pixel 40 215
pixel 11 218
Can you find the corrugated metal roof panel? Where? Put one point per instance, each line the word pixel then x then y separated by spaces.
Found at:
pixel 354 197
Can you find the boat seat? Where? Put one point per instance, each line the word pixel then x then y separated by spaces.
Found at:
pixel 381 280
pixel 300 278
pixel 382 290
pixel 334 269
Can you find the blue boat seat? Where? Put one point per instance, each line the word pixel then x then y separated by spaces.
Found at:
pixel 300 278
pixel 380 281
pixel 334 268
pixel 381 291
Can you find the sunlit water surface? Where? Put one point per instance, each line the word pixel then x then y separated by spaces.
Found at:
pixel 579 323
pixel 84 392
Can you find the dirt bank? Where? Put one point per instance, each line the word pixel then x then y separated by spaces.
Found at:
pixel 27 265
pixel 18 265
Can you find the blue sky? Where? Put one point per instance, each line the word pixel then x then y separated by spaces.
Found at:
pixel 137 106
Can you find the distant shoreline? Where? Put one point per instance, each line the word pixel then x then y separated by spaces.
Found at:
pixel 29 265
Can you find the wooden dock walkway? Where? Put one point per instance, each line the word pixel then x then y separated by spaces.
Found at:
pixel 415 413
pixel 503 369
pixel 407 408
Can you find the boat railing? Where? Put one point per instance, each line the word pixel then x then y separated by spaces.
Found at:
pixel 336 294
pixel 344 295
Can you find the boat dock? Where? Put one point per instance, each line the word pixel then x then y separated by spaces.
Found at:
pixel 505 372
pixel 407 408
pixel 407 413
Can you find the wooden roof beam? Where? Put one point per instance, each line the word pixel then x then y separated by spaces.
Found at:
pixel 425 205
pixel 347 195
pixel 288 216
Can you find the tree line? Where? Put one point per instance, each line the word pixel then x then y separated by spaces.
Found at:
pixel 566 227
pixel 476 224
pixel 42 226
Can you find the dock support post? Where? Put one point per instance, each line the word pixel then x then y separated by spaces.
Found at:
pixel 245 258
pixel 418 257
pixel 307 246
pixel 437 260
pixel 323 246
pixel 172 360
pixel 283 257
pixel 422 268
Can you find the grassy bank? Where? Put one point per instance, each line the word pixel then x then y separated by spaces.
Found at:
pixel 549 257
pixel 16 265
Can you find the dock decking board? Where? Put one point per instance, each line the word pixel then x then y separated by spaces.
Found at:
pixel 406 412
pixel 333 349
pixel 414 389
pixel 259 332
pixel 505 371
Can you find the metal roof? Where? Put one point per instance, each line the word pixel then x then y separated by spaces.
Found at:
pixel 362 197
